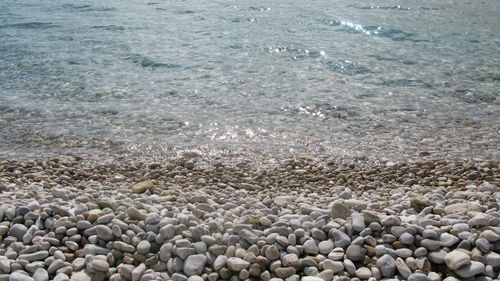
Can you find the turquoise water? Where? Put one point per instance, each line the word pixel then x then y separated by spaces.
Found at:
pixel 378 79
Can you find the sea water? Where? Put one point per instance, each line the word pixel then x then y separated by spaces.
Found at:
pixel 377 79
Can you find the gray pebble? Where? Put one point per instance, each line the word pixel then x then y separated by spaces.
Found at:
pixel 387 265
pixel 17 276
pixel 41 275
pixel 355 253
pixel 194 264
pixel 418 277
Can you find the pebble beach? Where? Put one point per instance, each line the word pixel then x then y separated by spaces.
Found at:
pixel 319 140
pixel 294 219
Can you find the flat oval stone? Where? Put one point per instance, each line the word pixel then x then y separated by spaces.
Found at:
pixel 341 239
pixel 471 269
pixel 237 264
pixel 100 265
pixel 455 259
pixel 387 265
pixel 143 247
pixel 325 247
pixel 310 247
pixel 339 210
pixel 355 253
pixel 335 266
pixel 17 276
pixel 194 264
pixel 418 277
pixel 104 232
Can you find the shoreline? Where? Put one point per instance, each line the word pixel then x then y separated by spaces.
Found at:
pixel 190 218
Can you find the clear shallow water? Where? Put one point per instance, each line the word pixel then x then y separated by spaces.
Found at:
pixel 349 78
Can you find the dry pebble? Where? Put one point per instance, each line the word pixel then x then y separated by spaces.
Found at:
pixel 296 219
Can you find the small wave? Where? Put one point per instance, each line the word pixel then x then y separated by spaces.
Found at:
pixel 349 26
pixel 75 6
pixel 405 83
pixel 429 9
pixel 471 96
pixel 30 25
pixel 397 7
pixel 149 63
pixel 183 12
pixel 491 76
pixel 261 9
pixel 322 111
pixel 239 19
pixel 393 34
pixel 109 27
pixel 345 67
pixel 87 8
pixel 382 58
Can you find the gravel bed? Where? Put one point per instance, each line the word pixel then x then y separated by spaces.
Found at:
pixel 297 219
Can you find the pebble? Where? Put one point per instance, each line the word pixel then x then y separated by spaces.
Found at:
pixel 194 264
pixel 387 265
pixel 391 221
pixel 355 253
pixel 249 236
pixel 18 230
pixel 80 276
pixel 237 264
pixel 341 239
pixel 135 214
pixel 455 259
pixel 490 236
pixel 493 259
pixel 310 247
pixel 325 247
pixel 285 272
pixel 363 273
pixel 406 238
pixel 142 186
pixel 358 222
pixel 17 276
pixel 311 278
pixel 448 240
pixel 104 232
pixel 402 268
pixel 334 266
pixel 143 247
pixel 339 210
pixel 483 245
pixel 350 267
pixel 418 277
pixel 100 265
pixel 41 275
pixel 471 269
pixel 272 253
pixel 480 219
pixel 220 262
pixel 36 256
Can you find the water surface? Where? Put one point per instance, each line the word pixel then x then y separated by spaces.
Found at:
pixel 376 79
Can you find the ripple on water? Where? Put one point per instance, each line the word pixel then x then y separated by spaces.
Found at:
pixel 109 27
pixel 345 67
pixel 30 25
pixel 396 7
pixel 149 63
pixel 322 111
pixel 351 27
pixel 87 8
